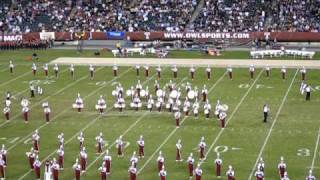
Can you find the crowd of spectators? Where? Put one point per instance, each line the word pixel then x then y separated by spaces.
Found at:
pixel 18 16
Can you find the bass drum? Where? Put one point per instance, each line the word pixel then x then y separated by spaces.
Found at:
pixel 159 93
pixel 191 94
pixel 174 94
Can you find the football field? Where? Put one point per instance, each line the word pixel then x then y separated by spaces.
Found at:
pixel 292 130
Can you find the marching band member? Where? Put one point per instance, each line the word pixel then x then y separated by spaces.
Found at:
pixel 25 109
pixel 83 160
pixel 46 69
pixel 196 92
pixel 282 167
pixel 251 70
pixel 159 103
pixel 46 110
pixel 169 104
pixel 283 72
pixel 310 176
pixel 156 86
pixel 11 66
pixel 308 92
pixel 286 177
pixel 2 169
pixel 190 165
pixel 207 109
pixel 178 152
pixel 218 163
pixel 303 72
pixel 138 69
pixel 37 167
pixel 101 105
pixel 208 70
pixel 115 70
pixel 147 70
pixel 36 140
pixel 134 160
pixel 140 143
pixel 136 103
pixel 230 173
pixel 55 169
pixel 61 139
pixel 91 71
pixel 192 72
pixel 120 103
pixel 103 172
pixel 81 140
pixel 32 90
pixel 222 118
pixel 160 161
pixel 120 146
pixel 31 157
pixel 204 93
pixel 229 70
pixel 150 103
pixel 47 170
pixel 259 175
pixel 268 70
pixel 186 106
pixel 218 109
pixel 120 89
pixel 266 111
pixel 107 162
pixel 176 105
pixel 71 68
pixel 163 174
pixel 79 103
pixel 100 143
pixel 159 71
pixel 8 97
pixel 133 172
pixel 188 87
pixel 260 165
pixel 60 153
pixel 171 85
pixel 202 147
pixel 195 107
pixel 6 112
pixel 138 88
pixel 175 71
pixel 56 70
pixel 3 154
pixel 34 69
pixel 77 170
pixel 198 172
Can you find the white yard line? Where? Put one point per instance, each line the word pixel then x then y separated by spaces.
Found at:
pixel 67 109
pixel 232 115
pixel 84 128
pixel 172 132
pixel 127 130
pixel 4 69
pixel 315 150
pixel 272 126
pixel 18 77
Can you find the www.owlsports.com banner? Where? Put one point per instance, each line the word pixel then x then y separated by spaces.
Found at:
pixel 163 36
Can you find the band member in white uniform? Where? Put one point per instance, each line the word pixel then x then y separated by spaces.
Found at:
pixel 208 70
pixel 204 93
pixel 268 71
pixel 136 103
pixel 175 71
pixel 156 86
pixel 100 143
pixel 78 103
pixel 308 92
pixel 310 176
pixel 91 71
pixel 259 175
pixel 266 111
pixel 207 109
pixel 32 90
pixel 134 159
pixel 192 72
pixel 25 109
pixel 218 163
pixel 83 160
pixel 230 173
pixel 186 106
pixel 177 116
pixel 198 172
pixel 120 103
pixel 169 104
pixel 283 72
pixel 61 139
pixel 11 67
pixel 159 71
pixel 71 68
pixel 260 165
pixel 159 103
pixel 115 70
pixel 179 151
pixel 222 118
pixel 140 143
pixel 138 88
pixel 47 111
pixel 137 69
pixel 6 112
pixel 303 72
pixel 147 71
pixel 36 140
pixel 60 153
pixel 195 107
pixel 229 70
pixel 251 70
pixel 101 104
pixel 81 140
pixel 150 103
pixel 46 70
pixel 202 148
pixel 160 161
pixel 120 146
pixel 191 165
pixel 176 105
pixel 56 70
pixel 34 69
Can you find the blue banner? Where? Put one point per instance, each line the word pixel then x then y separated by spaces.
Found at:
pixel 116 35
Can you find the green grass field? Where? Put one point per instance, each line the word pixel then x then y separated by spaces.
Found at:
pixel 291 132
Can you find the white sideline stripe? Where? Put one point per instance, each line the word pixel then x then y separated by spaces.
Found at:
pixel 272 126
pixel 126 131
pixel 315 151
pixel 172 132
pixel 44 99
pixel 232 114
pixel 84 128
pixel 61 113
